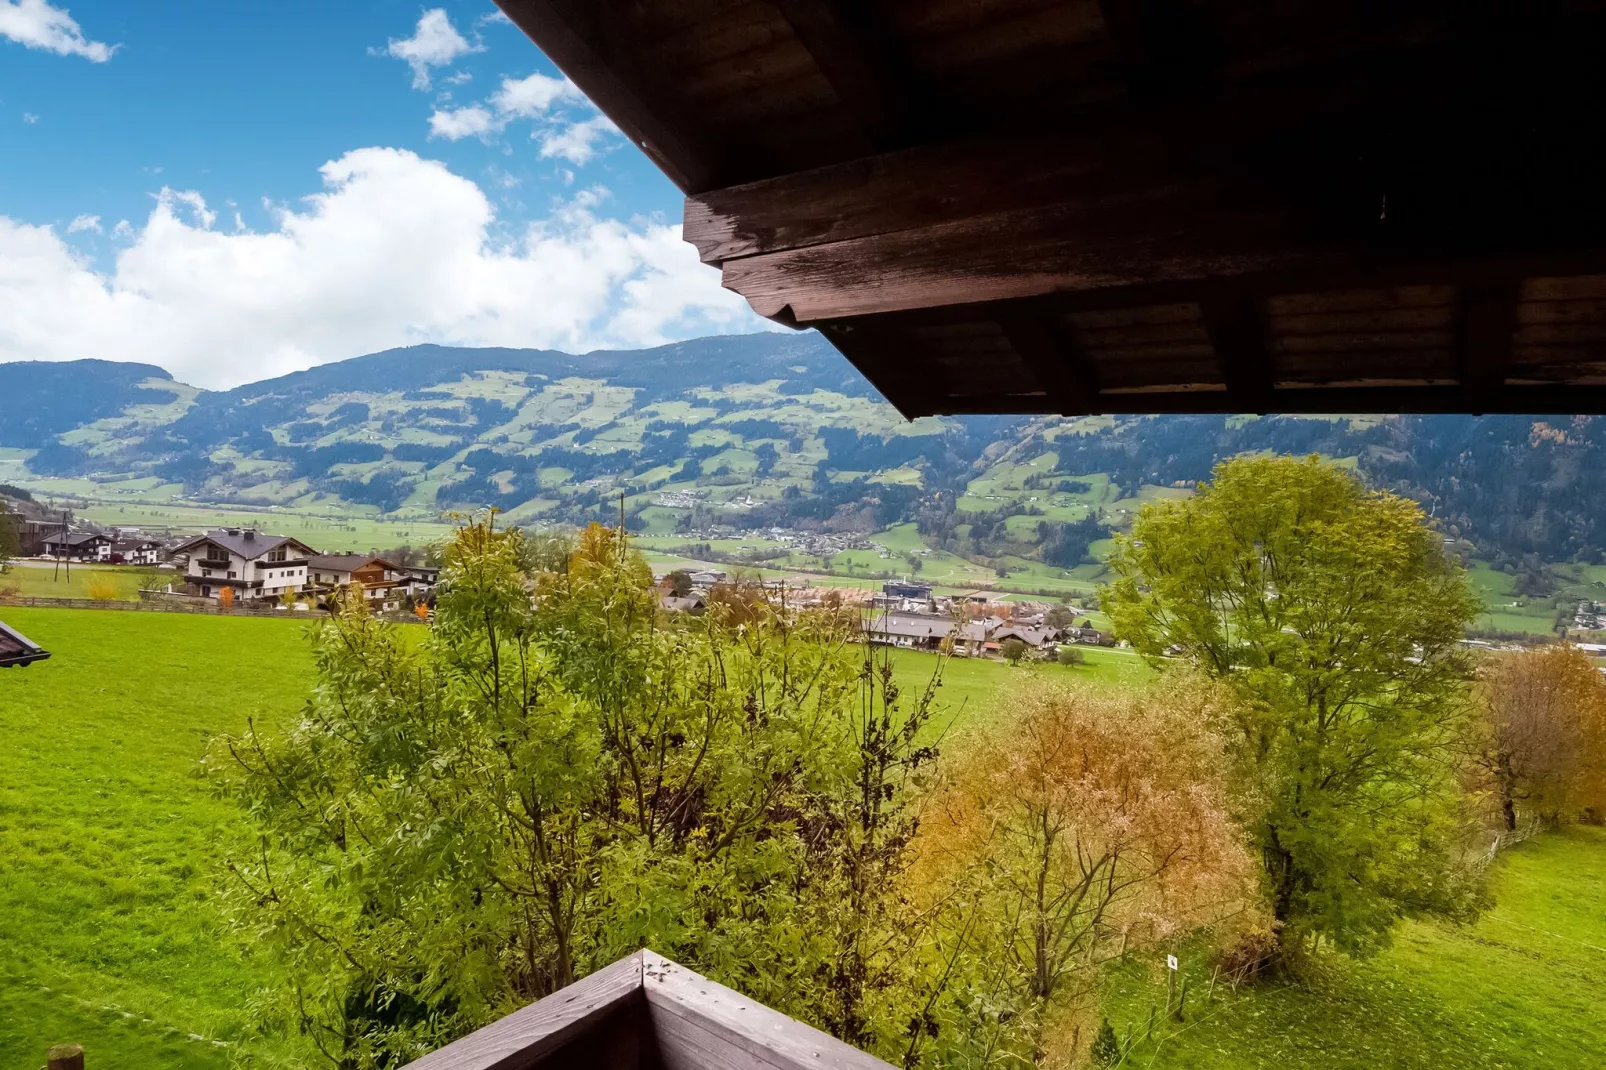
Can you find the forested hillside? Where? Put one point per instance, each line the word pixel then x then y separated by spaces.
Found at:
pixel 744 432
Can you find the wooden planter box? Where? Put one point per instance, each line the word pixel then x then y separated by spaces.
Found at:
pixel 649 1013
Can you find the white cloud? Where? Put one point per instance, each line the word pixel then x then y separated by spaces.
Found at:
pixel 84 222
pixel 456 123
pixel 577 142
pixel 435 43
pixel 29 117
pixel 526 98
pixel 459 78
pixel 550 102
pixel 394 251
pixel 497 15
pixel 36 24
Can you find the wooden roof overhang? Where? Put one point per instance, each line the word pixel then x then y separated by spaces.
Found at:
pixel 1138 205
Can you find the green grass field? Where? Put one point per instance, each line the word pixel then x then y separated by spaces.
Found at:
pixel 1523 987
pixel 31 582
pixel 109 843
pixel 109 846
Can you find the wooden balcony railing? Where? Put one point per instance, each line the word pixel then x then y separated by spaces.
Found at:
pixel 647 1013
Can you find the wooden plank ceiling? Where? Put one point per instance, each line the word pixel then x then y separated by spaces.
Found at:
pixel 1139 205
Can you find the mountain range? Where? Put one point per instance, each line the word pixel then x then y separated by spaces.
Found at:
pixel 763 430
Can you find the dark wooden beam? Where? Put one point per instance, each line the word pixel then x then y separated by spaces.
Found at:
pixel 1383 398
pixel 593 44
pixel 1168 46
pixel 1237 330
pixel 1486 320
pixel 850 48
pixel 883 357
pixel 1048 347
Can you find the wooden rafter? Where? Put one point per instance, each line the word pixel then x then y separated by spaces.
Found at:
pixel 846 44
pixel 1486 319
pixel 1237 329
pixel 1049 349
pixel 594 48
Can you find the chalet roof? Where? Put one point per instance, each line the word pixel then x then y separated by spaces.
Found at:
pixel 18 649
pixel 245 542
pixel 1031 635
pixel 76 538
pixel 1115 206
pixel 910 625
pixel 346 562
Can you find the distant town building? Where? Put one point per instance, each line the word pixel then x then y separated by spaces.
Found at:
pixel 138 551
pixel 255 566
pixel 383 583
pixel 78 546
pixel 910 589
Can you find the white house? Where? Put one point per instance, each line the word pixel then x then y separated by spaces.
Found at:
pixel 255 566
pixel 138 551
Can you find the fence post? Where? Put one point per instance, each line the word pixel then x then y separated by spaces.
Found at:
pixel 65 1057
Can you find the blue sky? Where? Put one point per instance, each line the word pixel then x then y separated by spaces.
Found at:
pixel 233 190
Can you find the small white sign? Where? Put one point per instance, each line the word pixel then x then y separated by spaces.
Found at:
pixel 1171 962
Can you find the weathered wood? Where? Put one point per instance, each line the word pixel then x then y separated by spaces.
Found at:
pixel 702 1024
pixel 844 41
pixel 65 1057
pixel 1486 320
pixel 573 1027
pixel 1237 328
pixel 1322 180
pixel 1049 349
pixel 595 49
pixel 1385 396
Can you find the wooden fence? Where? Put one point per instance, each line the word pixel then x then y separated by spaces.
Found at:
pixel 158 606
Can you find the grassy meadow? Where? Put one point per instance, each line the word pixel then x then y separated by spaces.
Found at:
pixel 109 846
pixel 81 581
pixel 109 842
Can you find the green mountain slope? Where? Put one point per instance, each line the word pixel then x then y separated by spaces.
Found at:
pixel 768 446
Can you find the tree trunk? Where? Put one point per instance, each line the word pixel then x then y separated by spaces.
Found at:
pixel 1508 810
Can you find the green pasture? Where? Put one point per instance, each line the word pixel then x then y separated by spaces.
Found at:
pixel 110 848
pixel 30 581
pixel 1521 989
pixel 110 845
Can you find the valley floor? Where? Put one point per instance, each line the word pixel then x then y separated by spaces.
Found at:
pixel 110 846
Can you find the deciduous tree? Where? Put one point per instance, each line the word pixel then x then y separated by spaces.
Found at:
pixel 1542 719
pixel 1335 615
pixel 1095 822
pixel 560 774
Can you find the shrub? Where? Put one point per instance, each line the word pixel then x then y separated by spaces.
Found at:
pixel 1013 650
pixel 104 589
pixel 1069 655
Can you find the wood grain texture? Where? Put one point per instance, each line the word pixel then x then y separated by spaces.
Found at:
pixel 701 1024
pixel 595 1018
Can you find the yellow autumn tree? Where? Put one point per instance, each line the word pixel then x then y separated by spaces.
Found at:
pixel 1541 734
pixel 1090 824
pixel 225 597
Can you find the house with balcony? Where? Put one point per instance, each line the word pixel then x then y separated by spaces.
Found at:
pixel 255 566
pixel 383 583
pixel 136 551
pixel 78 546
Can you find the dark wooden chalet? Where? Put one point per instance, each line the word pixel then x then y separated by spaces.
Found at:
pixel 647 1013
pixel 1138 205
